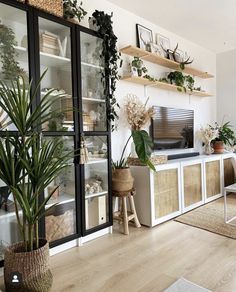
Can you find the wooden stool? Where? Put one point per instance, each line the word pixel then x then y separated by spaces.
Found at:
pixel 123 215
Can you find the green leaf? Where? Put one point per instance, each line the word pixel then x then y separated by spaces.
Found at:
pixel 143 147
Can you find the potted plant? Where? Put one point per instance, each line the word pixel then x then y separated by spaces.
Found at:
pixel 29 164
pixel 10 67
pixel 137 117
pixel 183 82
pixel 73 11
pixel 225 137
pixel 104 26
pixel 137 67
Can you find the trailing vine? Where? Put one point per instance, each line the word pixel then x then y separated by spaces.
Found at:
pixel 105 31
pixel 10 67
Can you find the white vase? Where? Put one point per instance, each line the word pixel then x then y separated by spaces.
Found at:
pixel 208 149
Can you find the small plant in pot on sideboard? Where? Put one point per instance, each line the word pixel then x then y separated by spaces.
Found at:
pixel 226 137
pixel 29 164
pixel 137 117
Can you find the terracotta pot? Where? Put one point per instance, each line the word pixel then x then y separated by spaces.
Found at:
pixel 122 179
pixel 218 147
pixel 27 271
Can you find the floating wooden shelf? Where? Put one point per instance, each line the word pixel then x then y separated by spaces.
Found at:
pixel 162 85
pixel 157 59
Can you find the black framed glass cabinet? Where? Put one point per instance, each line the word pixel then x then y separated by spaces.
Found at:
pixel 72 56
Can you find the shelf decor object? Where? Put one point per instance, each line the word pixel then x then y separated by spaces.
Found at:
pixel 162 85
pixel 159 60
pixel 51 6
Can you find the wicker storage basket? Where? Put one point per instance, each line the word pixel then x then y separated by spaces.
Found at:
pixel 60 226
pixel 51 6
pixel 27 271
pixel 157 159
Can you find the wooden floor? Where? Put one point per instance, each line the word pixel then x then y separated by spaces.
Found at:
pixel 148 260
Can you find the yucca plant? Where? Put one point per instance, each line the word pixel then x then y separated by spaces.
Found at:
pixel 29 163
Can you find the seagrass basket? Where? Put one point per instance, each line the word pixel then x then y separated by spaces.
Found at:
pixel 51 6
pixel 27 271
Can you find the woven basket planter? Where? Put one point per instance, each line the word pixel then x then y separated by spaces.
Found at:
pixel 27 271
pixel 51 6
pixel 122 179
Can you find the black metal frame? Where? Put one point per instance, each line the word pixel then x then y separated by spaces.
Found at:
pixel 33 16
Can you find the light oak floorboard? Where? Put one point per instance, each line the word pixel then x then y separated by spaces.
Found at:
pixel 147 260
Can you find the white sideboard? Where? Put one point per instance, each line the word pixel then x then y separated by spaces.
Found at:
pixel 179 186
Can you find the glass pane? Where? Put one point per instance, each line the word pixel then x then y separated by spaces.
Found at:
pixel 96 182
pixel 55 55
pixel 13 51
pixel 92 69
pixel 60 220
pixel 9 232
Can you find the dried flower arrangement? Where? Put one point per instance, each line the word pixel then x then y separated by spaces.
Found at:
pixel 138 115
pixel 136 112
pixel 208 134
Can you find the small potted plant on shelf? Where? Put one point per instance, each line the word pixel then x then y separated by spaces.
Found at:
pixel 137 117
pixel 29 164
pixel 73 11
pixel 226 137
pixel 137 67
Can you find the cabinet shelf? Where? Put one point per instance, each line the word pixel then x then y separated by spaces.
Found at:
pixel 92 65
pixel 48 60
pixel 96 195
pixel 96 160
pixel 162 85
pixel 156 59
pixel 88 99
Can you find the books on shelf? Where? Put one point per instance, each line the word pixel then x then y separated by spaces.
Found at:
pixel 49 43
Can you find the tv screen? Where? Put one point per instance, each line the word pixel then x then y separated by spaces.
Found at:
pixel 172 128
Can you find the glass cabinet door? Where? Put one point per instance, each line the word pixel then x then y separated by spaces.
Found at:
pixel 13 51
pixel 92 71
pixel 13 62
pixel 96 182
pixel 55 57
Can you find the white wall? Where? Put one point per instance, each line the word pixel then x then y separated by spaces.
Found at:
pixel 125 29
pixel 226 87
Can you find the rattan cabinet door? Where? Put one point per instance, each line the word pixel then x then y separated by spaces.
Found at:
pixel 192 184
pixel 166 192
pixel 213 187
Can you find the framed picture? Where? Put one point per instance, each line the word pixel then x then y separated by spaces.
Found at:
pixel 156 49
pixel 163 41
pixel 144 37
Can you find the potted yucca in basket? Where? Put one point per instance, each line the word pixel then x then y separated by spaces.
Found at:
pixel 28 164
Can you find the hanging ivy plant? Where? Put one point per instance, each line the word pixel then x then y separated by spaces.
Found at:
pixel 10 67
pixel 103 22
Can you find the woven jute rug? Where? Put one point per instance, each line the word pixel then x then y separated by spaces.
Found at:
pixel 210 217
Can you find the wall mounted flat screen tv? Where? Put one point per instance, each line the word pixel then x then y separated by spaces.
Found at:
pixel 172 128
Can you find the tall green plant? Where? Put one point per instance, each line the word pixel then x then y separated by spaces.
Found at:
pixel 28 164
